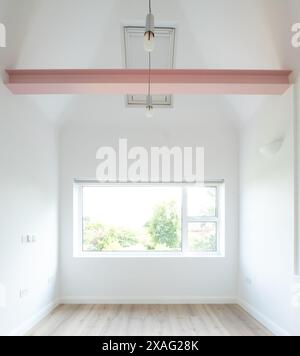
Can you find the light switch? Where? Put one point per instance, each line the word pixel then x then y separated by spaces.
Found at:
pixel 24 293
pixel 28 239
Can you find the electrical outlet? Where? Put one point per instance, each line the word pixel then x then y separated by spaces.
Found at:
pixel 24 239
pixel 24 293
pixel 28 239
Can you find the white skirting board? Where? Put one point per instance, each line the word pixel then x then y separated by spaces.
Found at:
pixel 148 300
pixel 30 323
pixel 264 320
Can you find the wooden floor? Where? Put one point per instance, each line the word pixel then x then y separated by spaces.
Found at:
pixel 149 320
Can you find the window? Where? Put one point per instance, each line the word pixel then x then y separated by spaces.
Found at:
pixel 148 219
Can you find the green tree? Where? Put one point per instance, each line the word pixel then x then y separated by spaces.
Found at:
pixel 164 227
pixel 99 237
pixel 203 238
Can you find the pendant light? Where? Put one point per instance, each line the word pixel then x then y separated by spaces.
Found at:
pixel 149 107
pixel 149 37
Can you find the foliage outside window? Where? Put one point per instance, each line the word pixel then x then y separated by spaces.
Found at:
pixel 153 219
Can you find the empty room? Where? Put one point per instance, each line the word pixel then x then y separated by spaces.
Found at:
pixel 149 170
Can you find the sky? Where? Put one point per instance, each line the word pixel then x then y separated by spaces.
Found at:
pixel 132 207
pixel 129 207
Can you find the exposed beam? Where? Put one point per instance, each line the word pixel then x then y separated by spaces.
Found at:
pixel 124 81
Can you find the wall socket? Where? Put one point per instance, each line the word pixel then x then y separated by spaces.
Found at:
pixel 29 239
pixel 24 293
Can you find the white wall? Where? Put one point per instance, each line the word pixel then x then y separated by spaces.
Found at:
pixel 28 168
pixel 285 289
pixel 28 205
pixel 292 56
pixel 148 279
pixel 296 289
pixel 267 214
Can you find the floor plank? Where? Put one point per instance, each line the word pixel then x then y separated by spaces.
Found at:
pixel 149 320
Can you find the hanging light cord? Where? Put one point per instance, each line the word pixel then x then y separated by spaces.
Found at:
pixel 149 78
pixel 150 64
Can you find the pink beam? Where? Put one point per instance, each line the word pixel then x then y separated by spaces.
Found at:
pixel 124 81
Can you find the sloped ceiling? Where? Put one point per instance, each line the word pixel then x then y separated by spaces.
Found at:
pixel 248 34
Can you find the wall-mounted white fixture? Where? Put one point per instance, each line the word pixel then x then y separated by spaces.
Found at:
pixel 149 37
pixel 29 239
pixel 23 293
pixel 271 149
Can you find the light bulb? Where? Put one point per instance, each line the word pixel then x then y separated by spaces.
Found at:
pixel 149 38
pixel 149 112
pixel 149 41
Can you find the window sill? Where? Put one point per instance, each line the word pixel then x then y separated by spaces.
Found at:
pixel 149 255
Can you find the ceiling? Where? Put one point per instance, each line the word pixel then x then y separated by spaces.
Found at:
pixel 219 34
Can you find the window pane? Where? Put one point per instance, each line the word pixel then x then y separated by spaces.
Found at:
pixel 203 237
pixel 131 219
pixel 202 201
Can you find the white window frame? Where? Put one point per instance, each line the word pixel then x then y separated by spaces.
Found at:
pixel 219 219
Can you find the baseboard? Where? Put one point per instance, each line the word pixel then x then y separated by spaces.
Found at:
pixel 263 319
pixel 148 300
pixel 30 323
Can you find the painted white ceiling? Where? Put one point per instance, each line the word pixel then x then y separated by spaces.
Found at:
pixel 245 34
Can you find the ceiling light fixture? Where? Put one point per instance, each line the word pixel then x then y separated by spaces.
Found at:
pixel 149 108
pixel 149 45
pixel 149 37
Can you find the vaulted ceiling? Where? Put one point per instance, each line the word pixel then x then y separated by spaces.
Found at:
pixel 218 34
